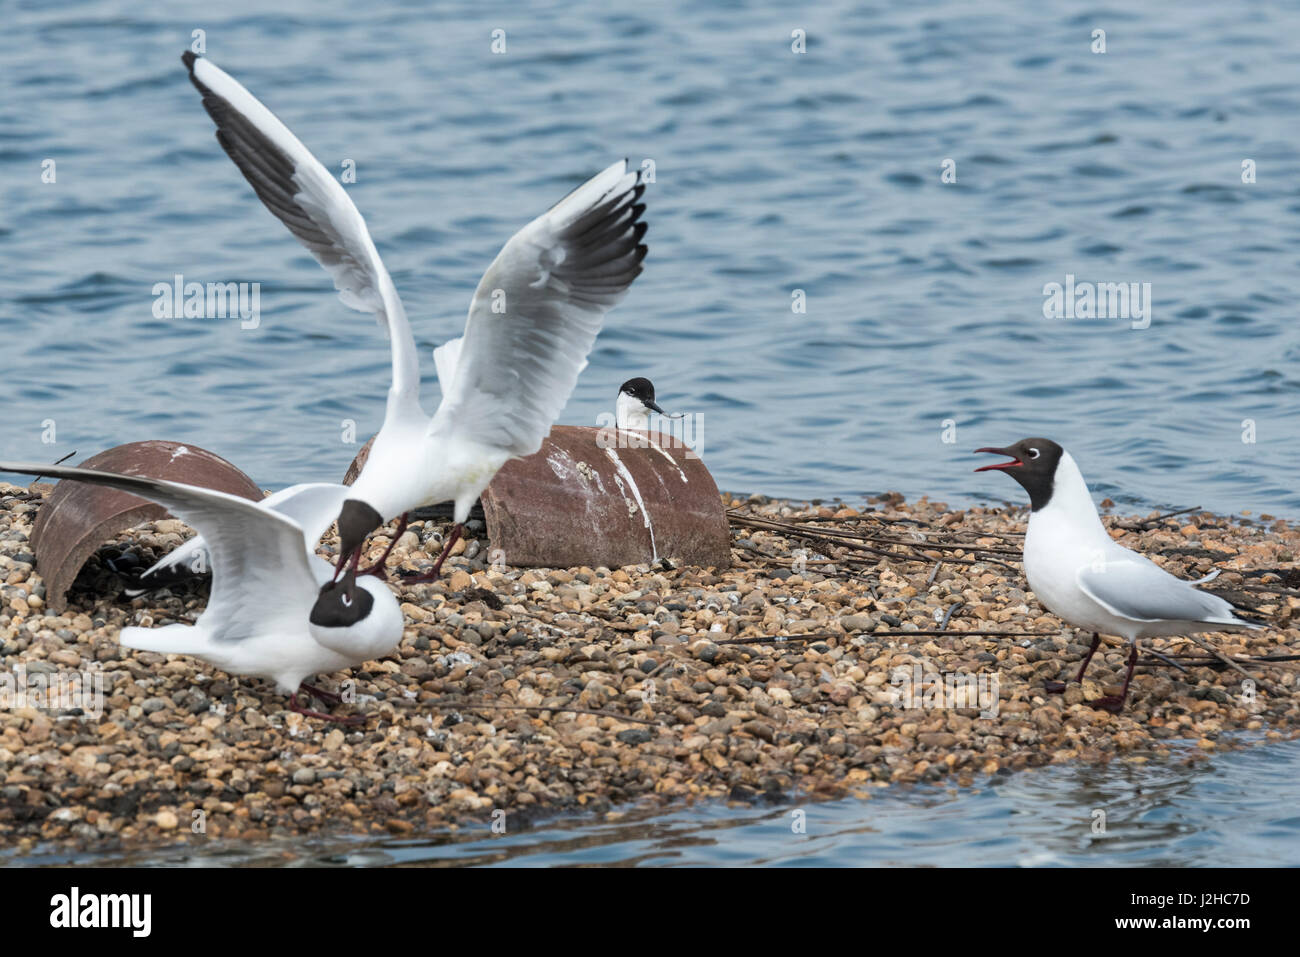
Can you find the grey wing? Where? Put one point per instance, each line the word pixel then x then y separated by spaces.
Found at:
pixel 302 194
pixel 536 313
pixel 260 573
pixel 1140 590
pixel 313 505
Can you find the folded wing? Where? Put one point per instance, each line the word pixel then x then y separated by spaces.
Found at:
pixel 1143 591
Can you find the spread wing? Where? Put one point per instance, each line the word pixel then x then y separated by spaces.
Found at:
pixel 303 195
pixel 313 506
pixel 260 573
pixel 1140 590
pixel 536 313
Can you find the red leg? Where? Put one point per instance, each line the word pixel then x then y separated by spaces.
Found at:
pixel 329 697
pixel 432 574
pixel 1057 687
pixel 1096 643
pixel 307 712
pixel 343 560
pixel 1111 703
pixel 377 569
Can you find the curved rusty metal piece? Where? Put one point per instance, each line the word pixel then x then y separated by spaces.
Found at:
pixel 76 518
pixel 358 463
pixel 607 497
pixel 603 497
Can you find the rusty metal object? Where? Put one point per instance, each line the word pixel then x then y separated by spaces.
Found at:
pixel 580 502
pixel 76 518
pixel 358 463
pixel 603 497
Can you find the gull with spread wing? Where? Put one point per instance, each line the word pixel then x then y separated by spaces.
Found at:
pixel 275 610
pixel 533 320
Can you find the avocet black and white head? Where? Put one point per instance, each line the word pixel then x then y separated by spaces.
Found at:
pixel 636 400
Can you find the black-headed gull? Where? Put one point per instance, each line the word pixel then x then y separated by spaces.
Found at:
pixel 275 611
pixel 636 400
pixel 1085 577
pixel 532 321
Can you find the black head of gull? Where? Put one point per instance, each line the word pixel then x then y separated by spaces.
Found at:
pixel 1033 464
pixel 357 519
pixel 341 604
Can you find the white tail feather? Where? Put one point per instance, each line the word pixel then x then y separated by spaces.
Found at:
pixel 175 639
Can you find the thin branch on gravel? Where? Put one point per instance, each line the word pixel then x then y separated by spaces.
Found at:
pixel 1210 662
pixel 1146 523
pixel 1266 589
pixel 535 709
pixel 1236 667
pixel 952 610
pixel 792 529
pixel 796 532
pixel 824 635
pixel 1165 659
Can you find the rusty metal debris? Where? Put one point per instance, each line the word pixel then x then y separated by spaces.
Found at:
pixel 76 517
pixel 603 497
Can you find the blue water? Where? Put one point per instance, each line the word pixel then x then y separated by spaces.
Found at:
pixel 775 172
pixel 1237 810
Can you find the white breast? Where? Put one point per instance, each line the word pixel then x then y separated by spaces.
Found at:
pixel 1063 537
pixel 630 413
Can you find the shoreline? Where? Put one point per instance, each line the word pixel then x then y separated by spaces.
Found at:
pixel 327 845
pixel 695 697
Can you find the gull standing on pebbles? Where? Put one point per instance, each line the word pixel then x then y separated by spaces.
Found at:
pixel 1085 577
pixel 533 319
pixel 274 611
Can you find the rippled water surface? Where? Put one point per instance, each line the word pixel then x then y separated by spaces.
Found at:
pixel 774 172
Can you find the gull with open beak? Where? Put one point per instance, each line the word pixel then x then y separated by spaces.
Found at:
pixel 1085 577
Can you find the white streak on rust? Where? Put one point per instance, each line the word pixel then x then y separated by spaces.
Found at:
pixel 636 493
pixel 561 464
pixel 645 437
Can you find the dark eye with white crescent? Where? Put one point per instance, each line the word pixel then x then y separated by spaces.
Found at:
pixel 335 608
pixel 1033 453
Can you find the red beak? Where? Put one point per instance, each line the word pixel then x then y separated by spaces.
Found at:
pixel 999 465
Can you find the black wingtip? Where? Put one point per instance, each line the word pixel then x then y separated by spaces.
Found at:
pixel 188 59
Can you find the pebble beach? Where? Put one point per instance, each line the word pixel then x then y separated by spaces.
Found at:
pixel 820 665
